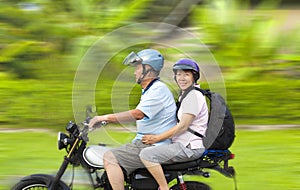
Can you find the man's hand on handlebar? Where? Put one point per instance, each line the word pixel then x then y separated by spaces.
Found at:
pixel 97 122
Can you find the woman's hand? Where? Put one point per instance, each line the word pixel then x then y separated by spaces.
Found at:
pixel 150 139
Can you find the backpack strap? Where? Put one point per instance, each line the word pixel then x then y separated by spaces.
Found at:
pixel 195 132
pixel 178 103
pixel 204 92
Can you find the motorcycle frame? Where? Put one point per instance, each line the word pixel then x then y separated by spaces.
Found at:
pixel 80 143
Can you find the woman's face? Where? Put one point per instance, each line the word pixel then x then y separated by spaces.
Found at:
pixel 184 79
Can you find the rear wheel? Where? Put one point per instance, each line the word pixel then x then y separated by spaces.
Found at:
pixel 38 183
pixel 192 185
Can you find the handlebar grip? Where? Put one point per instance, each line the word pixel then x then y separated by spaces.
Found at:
pixel 98 125
pixel 103 123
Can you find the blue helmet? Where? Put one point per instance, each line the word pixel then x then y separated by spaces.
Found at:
pixel 187 64
pixel 146 57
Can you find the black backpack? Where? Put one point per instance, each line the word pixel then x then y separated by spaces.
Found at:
pixel 220 131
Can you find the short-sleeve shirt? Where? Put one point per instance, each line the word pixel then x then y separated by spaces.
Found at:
pixel 158 105
pixel 194 103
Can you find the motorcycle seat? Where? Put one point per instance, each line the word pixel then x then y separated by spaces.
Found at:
pixel 203 162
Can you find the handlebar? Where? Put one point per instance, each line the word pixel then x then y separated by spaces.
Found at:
pixel 98 125
pixel 103 123
pixel 90 112
pixel 84 132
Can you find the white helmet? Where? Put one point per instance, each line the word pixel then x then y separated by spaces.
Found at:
pixel 146 57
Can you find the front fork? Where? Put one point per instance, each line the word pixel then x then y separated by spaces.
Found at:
pixel 63 166
pixel 59 174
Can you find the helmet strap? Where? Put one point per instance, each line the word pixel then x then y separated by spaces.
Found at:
pixel 144 73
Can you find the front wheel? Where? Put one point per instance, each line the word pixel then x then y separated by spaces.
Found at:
pixel 192 185
pixel 38 181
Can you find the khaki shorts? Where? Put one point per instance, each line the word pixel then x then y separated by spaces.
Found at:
pixel 128 156
pixel 170 153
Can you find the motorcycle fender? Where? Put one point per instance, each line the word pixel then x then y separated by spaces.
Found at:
pixel 48 179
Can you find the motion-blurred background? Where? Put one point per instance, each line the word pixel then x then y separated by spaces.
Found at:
pixel 42 42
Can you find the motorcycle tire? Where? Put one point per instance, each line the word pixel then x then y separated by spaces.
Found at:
pixel 37 182
pixel 191 185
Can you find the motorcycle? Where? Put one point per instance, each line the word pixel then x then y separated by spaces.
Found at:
pixel 90 158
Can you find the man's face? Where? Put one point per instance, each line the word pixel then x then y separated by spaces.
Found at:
pixel 138 71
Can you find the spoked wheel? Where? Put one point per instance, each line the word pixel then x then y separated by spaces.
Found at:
pixel 30 185
pixel 38 182
pixel 192 185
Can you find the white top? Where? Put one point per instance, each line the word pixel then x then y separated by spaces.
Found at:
pixel 194 103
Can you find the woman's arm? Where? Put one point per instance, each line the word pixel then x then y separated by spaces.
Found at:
pixel 181 127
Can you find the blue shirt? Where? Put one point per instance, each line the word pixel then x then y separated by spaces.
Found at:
pixel 158 105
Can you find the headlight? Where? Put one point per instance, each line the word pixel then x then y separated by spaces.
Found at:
pixel 62 140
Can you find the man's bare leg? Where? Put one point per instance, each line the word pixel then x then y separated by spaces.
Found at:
pixel 157 172
pixel 114 171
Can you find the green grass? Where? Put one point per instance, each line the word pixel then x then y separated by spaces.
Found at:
pixel 264 160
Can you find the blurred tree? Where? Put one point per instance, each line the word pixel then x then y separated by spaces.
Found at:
pixel 43 41
pixel 243 37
